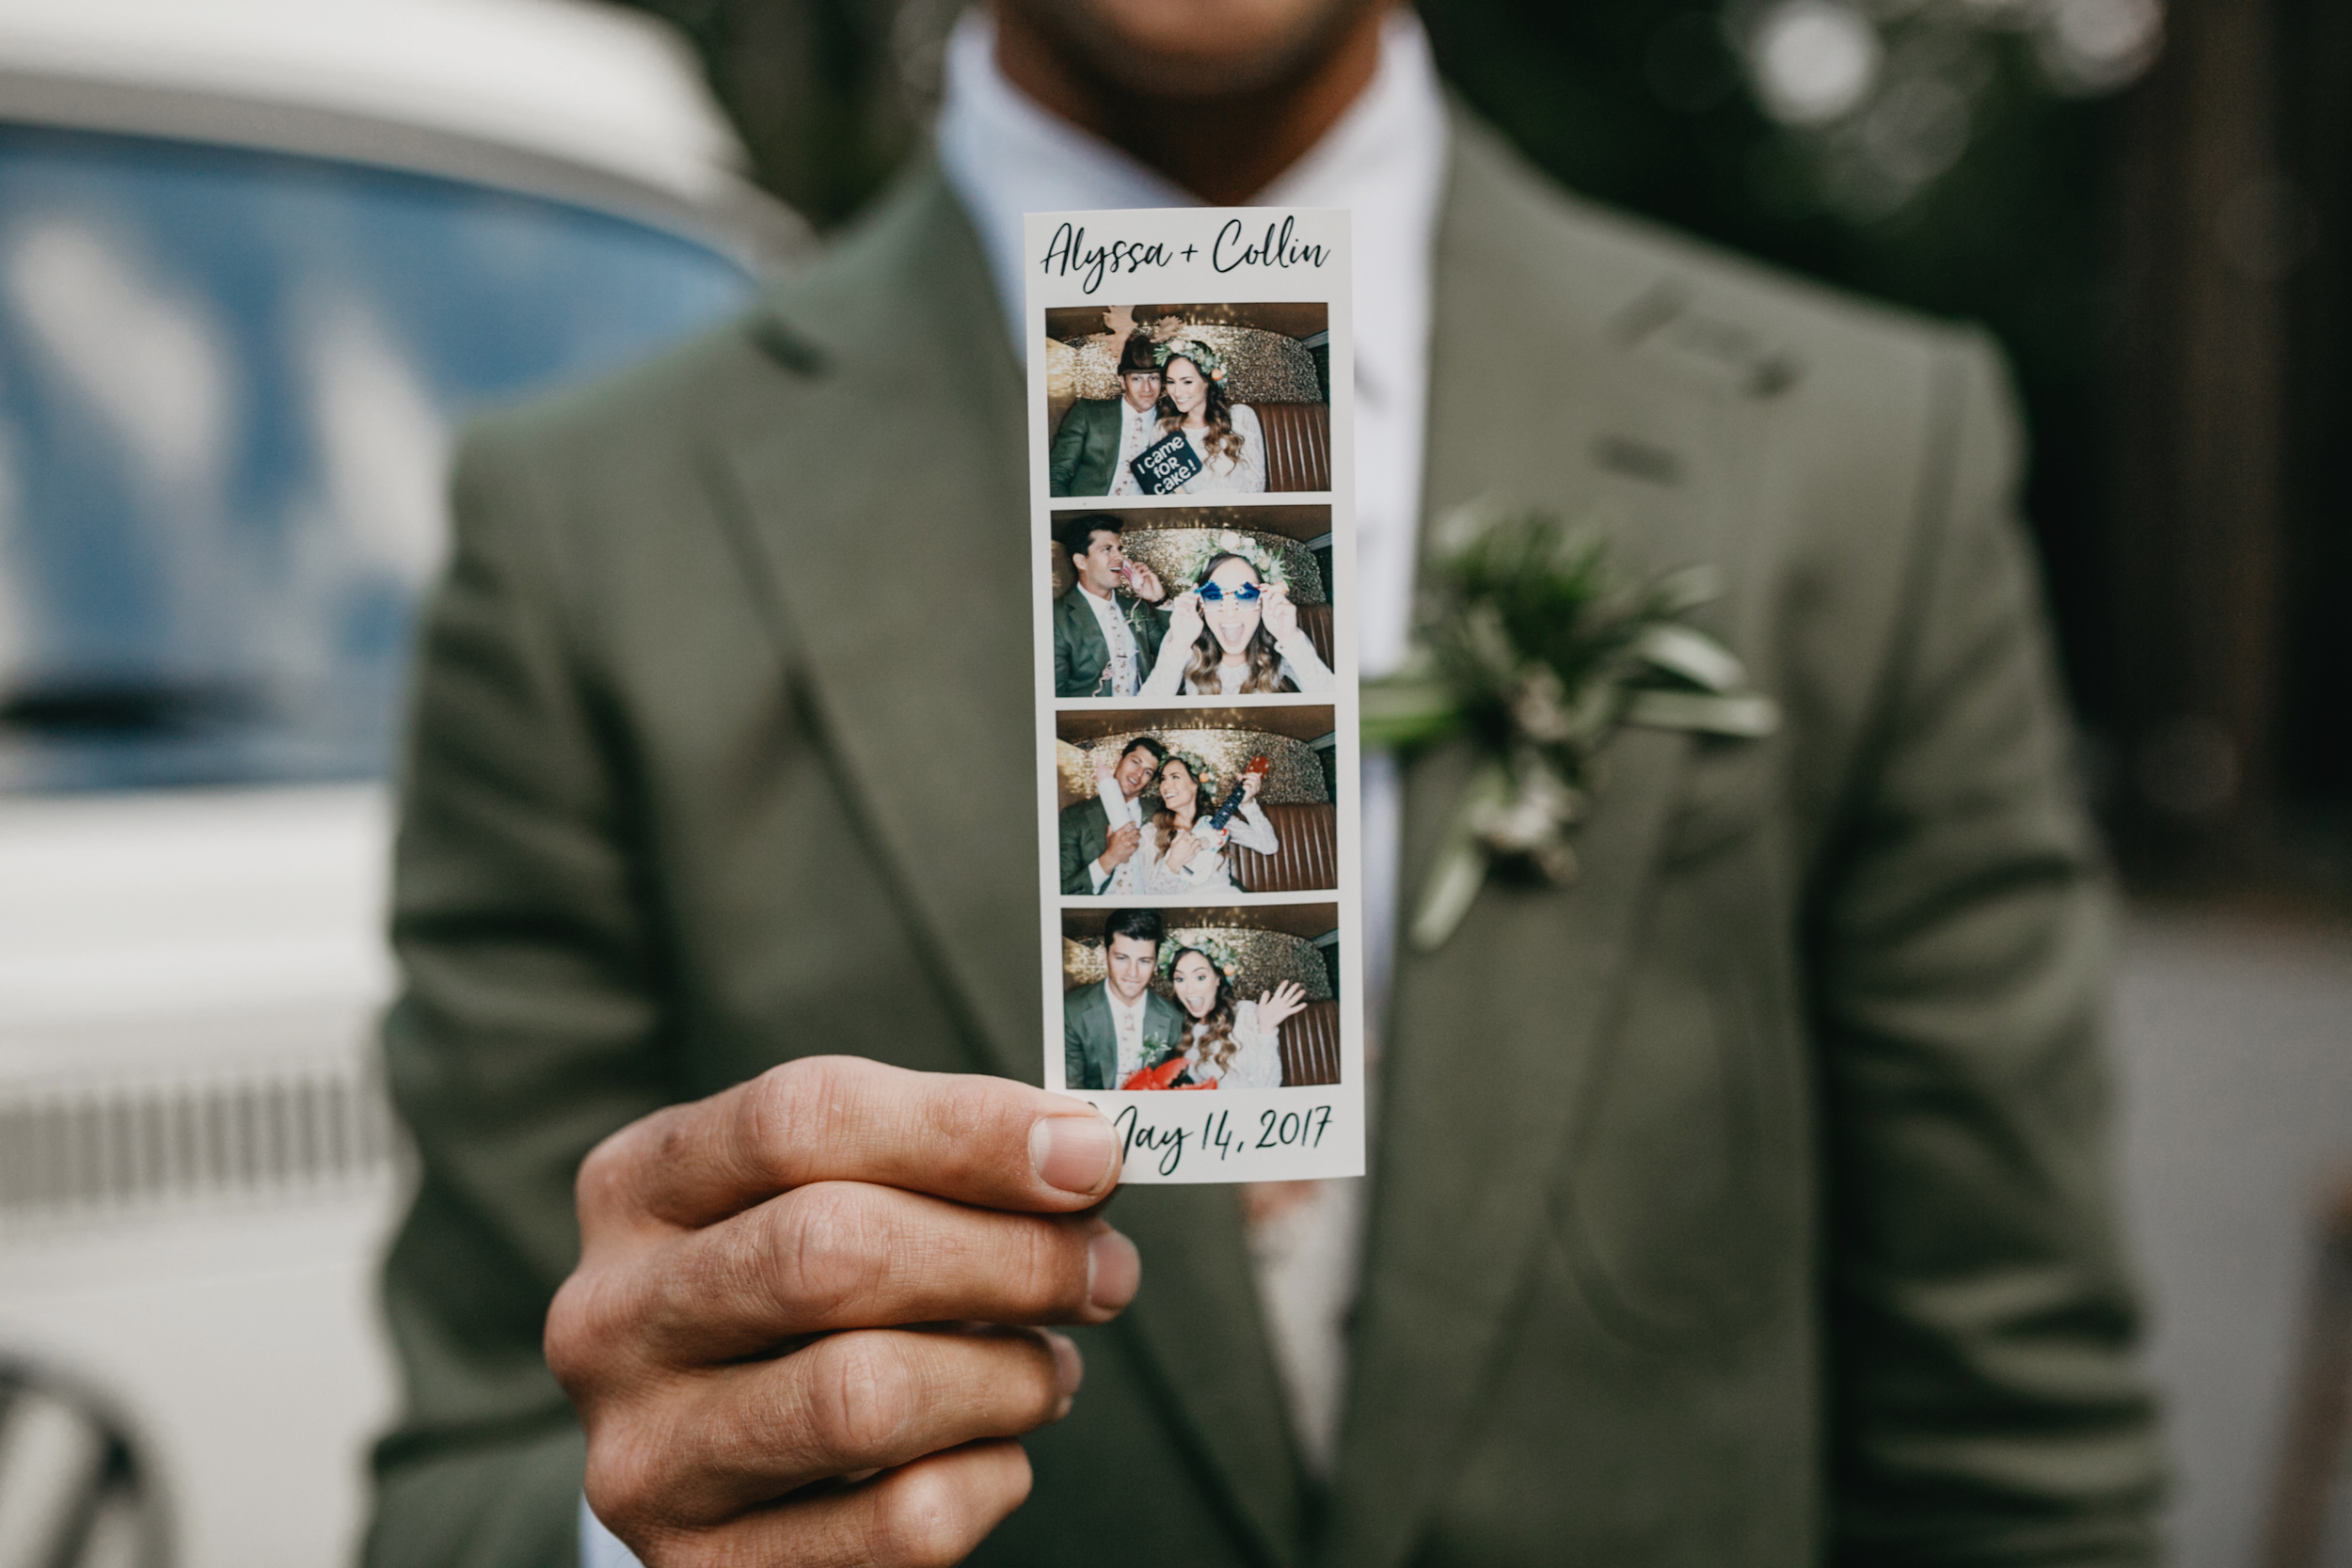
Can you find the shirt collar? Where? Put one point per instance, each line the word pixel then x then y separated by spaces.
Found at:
pixel 1004 155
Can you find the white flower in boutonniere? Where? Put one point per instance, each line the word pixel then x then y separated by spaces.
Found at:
pixel 1529 649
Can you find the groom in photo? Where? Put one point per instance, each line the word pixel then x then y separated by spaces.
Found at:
pixel 1110 1031
pixel 1106 629
pixel 1097 854
pixel 1099 436
pixel 1744 1201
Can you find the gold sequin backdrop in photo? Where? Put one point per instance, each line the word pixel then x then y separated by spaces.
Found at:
pixel 1260 367
pixel 1293 772
pixel 1172 550
pixel 1266 959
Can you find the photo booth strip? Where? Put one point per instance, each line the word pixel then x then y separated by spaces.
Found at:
pixel 1211 1006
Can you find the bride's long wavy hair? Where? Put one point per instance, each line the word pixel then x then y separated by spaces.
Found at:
pixel 1218 1046
pixel 1220 439
pixel 1264 660
pixel 1164 828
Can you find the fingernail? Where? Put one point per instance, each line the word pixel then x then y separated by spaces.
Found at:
pixel 1114 1269
pixel 1073 1153
pixel 1070 1367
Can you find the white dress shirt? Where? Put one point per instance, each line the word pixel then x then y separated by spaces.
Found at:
pixel 1137 426
pixel 1127 1027
pixel 1118 811
pixel 1385 160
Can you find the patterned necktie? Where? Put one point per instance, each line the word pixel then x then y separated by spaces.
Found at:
pixel 1123 652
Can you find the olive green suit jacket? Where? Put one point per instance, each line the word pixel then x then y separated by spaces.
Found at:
pixel 1745 1202
pixel 1081 651
pixel 1089 1040
pixel 1085 831
pixel 1085 450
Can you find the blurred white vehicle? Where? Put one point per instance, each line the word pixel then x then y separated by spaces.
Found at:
pixel 257 258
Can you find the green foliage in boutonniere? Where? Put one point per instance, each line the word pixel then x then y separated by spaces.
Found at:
pixel 1530 648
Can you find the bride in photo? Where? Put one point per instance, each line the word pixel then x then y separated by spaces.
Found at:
pixel 1224 436
pixel 1232 1044
pixel 1235 634
pixel 1186 854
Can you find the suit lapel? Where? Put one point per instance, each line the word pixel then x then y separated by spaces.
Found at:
pixel 1091 829
pixel 1097 1033
pixel 888 518
pixel 1489 1039
pixel 885 516
pixel 1109 423
pixel 1086 633
pixel 1143 624
pixel 1170 1022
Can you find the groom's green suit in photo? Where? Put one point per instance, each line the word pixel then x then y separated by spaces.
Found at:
pixel 1079 649
pixel 1746 1201
pixel 1080 461
pixel 1085 831
pixel 1089 1040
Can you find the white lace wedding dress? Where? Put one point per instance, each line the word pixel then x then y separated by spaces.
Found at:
pixel 1209 870
pixel 1238 475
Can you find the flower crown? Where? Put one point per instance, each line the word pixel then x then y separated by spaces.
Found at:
pixel 1216 949
pixel 1227 542
pixel 1202 774
pixel 1212 364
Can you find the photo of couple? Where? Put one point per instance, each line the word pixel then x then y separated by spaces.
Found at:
pixel 1226 626
pixel 1200 999
pixel 1163 400
pixel 1229 802
pixel 1240 804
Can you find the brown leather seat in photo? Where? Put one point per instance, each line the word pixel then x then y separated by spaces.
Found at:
pixel 1307 861
pixel 1316 621
pixel 1297 445
pixel 1311 1045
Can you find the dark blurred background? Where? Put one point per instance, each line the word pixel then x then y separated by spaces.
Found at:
pixel 2146 202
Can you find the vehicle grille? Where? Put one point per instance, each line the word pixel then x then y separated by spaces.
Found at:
pixel 69 1147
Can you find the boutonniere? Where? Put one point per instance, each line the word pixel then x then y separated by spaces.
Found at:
pixel 1530 647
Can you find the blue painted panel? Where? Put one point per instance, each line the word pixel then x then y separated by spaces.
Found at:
pixel 228 380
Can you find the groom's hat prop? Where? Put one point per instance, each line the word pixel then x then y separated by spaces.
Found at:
pixel 1137 355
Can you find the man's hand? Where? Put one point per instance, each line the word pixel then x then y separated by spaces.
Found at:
pixel 1144 584
pixel 754 1336
pixel 1119 845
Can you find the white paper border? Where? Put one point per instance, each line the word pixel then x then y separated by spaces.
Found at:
pixel 1222 1136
